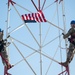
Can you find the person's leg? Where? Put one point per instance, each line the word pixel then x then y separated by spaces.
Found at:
pixel 70 55
pixel 5 59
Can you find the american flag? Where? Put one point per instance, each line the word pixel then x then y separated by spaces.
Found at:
pixel 34 17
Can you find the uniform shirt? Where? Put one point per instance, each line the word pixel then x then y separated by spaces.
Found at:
pixel 71 33
pixel 1 46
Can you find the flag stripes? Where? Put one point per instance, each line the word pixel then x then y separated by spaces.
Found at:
pixel 34 17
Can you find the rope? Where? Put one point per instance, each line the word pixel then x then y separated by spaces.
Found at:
pixel 48 6
pixel 48 29
pixel 37 51
pixel 23 56
pixel 51 62
pixel 23 8
pixel 16 29
pixel 26 26
pixel 51 41
pixel 43 4
pixel 40 36
pixel 34 5
pixel 54 25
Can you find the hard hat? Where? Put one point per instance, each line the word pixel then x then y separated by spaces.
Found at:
pixel 0 30
pixel 72 22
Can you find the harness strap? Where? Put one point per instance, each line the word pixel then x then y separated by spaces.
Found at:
pixel 71 40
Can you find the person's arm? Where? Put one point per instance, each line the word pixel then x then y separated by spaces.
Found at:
pixel 68 33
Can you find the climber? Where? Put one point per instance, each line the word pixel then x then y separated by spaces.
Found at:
pixel 71 38
pixel 3 52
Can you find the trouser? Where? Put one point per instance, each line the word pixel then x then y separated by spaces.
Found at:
pixel 70 53
pixel 5 56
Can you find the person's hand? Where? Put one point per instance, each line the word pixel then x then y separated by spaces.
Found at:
pixel 63 35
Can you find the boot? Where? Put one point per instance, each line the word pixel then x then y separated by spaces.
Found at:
pixel 64 63
pixel 9 66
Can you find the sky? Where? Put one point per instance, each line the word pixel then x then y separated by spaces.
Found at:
pixel 34 45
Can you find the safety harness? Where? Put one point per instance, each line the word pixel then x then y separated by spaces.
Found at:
pixel 72 38
pixel 2 45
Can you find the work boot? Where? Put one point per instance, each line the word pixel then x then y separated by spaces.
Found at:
pixel 9 66
pixel 64 63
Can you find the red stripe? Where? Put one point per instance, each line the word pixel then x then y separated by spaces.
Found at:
pixel 23 17
pixel 33 16
pixel 40 17
pixel 36 18
pixel 26 17
pixel 43 16
pixel 29 16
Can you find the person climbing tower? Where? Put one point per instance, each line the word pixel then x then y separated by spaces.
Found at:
pixel 3 52
pixel 71 38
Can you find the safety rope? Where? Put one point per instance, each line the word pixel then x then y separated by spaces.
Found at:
pixel 33 35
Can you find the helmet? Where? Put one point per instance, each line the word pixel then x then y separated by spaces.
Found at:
pixel 0 30
pixel 72 22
